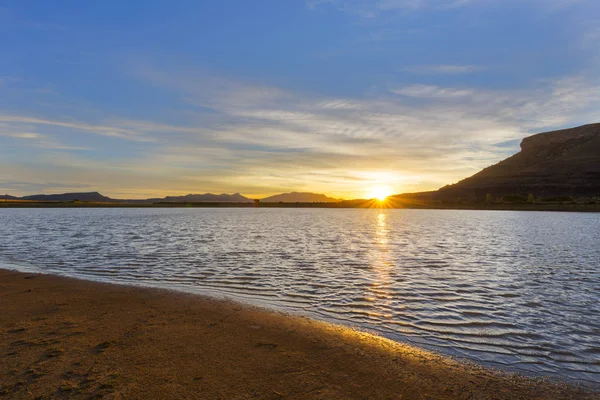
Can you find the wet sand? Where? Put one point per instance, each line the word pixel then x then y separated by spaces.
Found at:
pixel 66 338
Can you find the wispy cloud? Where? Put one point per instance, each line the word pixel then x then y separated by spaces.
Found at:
pixel 21 135
pixel 433 92
pixel 30 187
pixel 17 122
pixel 377 7
pixel 444 69
pixel 420 4
pixel 34 139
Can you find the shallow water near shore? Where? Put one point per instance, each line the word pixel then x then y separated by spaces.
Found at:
pixel 515 290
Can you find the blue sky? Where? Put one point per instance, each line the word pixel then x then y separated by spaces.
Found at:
pixel 145 98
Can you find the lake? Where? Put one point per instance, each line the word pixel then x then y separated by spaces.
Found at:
pixel 515 290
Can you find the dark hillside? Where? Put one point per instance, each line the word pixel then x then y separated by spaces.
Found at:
pixel 558 163
pixel 88 196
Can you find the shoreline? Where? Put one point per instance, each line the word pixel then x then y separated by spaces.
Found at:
pixel 540 207
pixel 65 337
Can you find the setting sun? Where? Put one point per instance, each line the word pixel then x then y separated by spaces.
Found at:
pixel 380 193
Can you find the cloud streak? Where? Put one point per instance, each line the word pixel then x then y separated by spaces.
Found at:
pixel 120 132
pixel 378 7
pixel 443 69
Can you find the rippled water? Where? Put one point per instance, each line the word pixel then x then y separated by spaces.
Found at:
pixel 517 290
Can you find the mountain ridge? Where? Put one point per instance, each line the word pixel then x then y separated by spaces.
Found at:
pixel 81 196
pixel 299 197
pixel 207 198
pixel 292 197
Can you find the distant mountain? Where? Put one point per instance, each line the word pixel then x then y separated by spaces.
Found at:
pixel 558 163
pixel 7 197
pixel 97 197
pixel 88 196
pixel 206 198
pixel 299 197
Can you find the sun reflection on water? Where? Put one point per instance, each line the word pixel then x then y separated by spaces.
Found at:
pixel 382 265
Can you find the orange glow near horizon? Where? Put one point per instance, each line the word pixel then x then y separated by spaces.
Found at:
pixel 380 193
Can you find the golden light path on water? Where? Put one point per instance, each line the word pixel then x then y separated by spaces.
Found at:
pixel 382 265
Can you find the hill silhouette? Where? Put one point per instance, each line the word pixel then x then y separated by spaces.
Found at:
pixel 558 163
pixel 85 196
pixel 299 197
pixel 207 197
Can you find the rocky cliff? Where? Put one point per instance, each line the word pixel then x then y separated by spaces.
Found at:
pixel 558 163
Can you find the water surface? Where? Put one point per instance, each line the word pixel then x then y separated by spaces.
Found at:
pixel 515 290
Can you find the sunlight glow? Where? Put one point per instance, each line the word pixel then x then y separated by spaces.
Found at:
pixel 380 193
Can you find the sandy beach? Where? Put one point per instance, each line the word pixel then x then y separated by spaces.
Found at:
pixel 67 338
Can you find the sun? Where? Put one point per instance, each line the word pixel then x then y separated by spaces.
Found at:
pixel 380 193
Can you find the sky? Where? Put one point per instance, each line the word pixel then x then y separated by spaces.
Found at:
pixel 139 99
